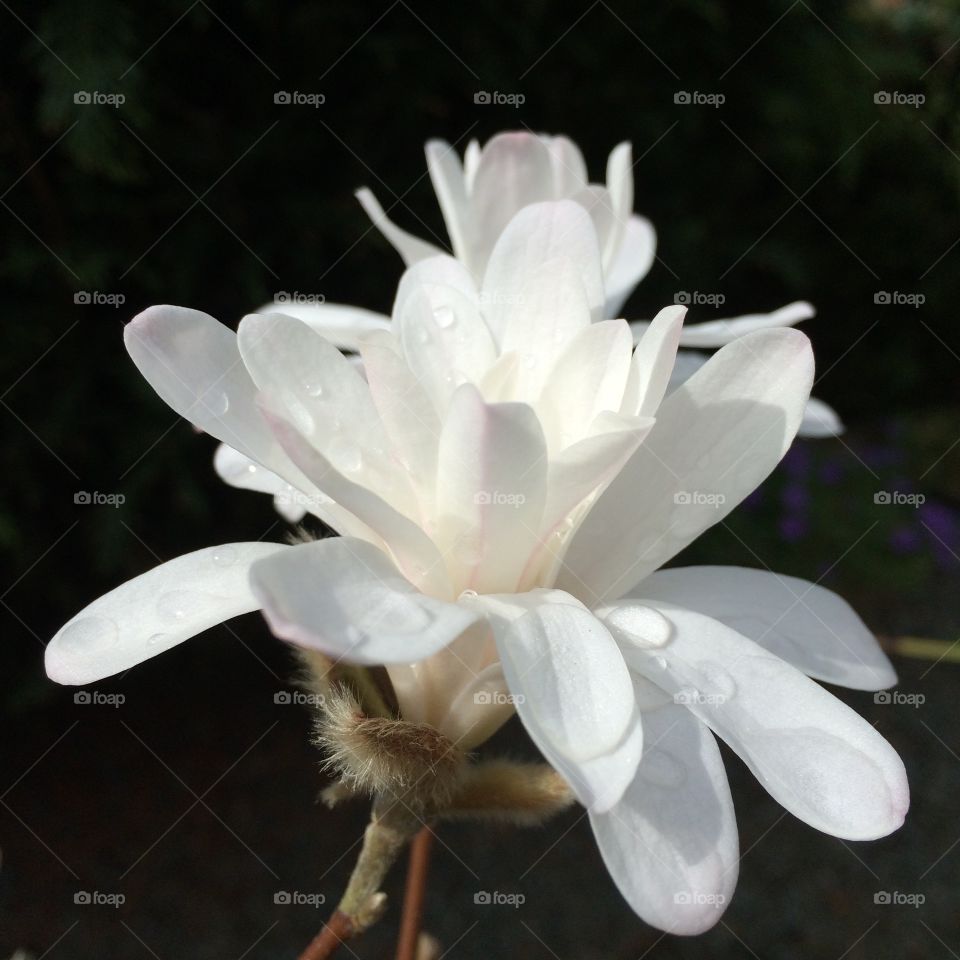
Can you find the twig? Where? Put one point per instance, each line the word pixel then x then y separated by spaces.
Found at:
pixel 414 895
pixel 337 930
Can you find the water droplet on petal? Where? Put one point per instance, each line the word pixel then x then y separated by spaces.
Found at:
pixel 157 639
pixel 346 455
pixel 313 388
pixel 176 605
pixel 215 402
pixel 468 595
pixel 81 635
pixel 661 662
pixel 444 317
pixel 718 679
pixel 639 625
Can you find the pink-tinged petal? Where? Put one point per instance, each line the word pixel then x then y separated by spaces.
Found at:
pixel 410 248
pixel 514 171
pixel 631 264
pixel 569 168
pixel 539 234
pixel 806 625
pixel 346 598
pixel 671 843
pixel 812 753
pixel 716 438
pixel 344 326
pixel 156 611
pixel 491 486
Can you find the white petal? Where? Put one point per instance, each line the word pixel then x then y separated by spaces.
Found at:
pixel 569 169
pixel 716 438
pixel 716 333
pixel 620 189
pixel 446 174
pixel 346 598
pixel 539 234
pixel 806 625
pixel 155 611
pixel 344 326
pixel 573 694
pixel 814 755
pixel 409 247
pixel 588 378
pixel 491 486
pixel 653 363
pixel 671 843
pixel 414 552
pixel 820 420
pixel 514 171
pixel 632 262
pixel 443 271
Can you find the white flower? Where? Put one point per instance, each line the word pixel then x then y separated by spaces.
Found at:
pixel 479 196
pixel 506 499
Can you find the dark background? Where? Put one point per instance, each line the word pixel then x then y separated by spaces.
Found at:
pixel 194 799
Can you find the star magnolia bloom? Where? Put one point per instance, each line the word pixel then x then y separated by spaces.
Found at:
pixel 508 480
pixel 479 196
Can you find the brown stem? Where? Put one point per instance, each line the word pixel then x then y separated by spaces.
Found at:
pixel 337 930
pixel 414 895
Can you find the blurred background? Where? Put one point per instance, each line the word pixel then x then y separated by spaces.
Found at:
pixel 143 159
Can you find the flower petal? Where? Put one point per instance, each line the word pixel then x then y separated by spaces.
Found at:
pixel 653 363
pixel 449 184
pixel 514 171
pixel 716 438
pixel 620 190
pixel 810 627
pixel 631 264
pixel 409 247
pixel 155 611
pixel 491 486
pixel 569 168
pixel 716 333
pixel 238 470
pixel 811 752
pixel 671 843
pixel 820 420
pixel 539 234
pixel 574 696
pixel 344 326
pixel 346 598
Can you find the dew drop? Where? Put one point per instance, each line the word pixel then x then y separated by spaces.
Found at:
pixel 346 454
pixel 176 605
pixel 90 632
pixel 661 662
pixel 215 402
pixel 640 625
pixel 313 388
pixel 444 317
pixel 468 595
pixel 718 679
pixel 157 639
